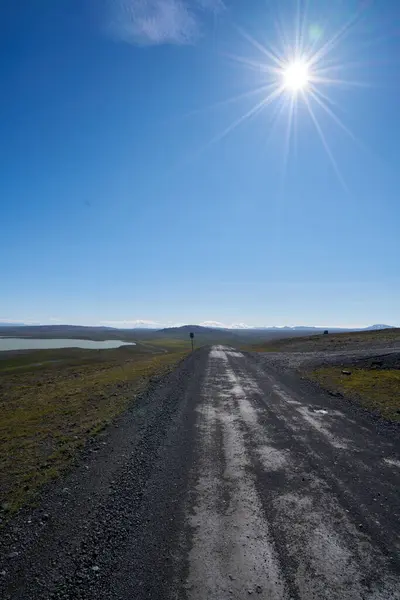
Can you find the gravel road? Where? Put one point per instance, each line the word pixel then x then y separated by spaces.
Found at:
pixel 226 480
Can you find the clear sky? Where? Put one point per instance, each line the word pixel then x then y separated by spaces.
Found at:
pixel 130 190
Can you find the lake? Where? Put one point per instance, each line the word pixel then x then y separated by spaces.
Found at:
pixel 36 344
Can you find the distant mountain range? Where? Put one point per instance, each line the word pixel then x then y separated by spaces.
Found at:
pixel 201 329
pixel 22 328
pixel 191 329
pixel 375 327
pixel 312 327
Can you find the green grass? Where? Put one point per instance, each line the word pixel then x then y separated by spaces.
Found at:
pixel 50 409
pixel 375 389
pixel 167 345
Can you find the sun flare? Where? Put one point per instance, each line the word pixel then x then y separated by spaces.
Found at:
pixel 296 76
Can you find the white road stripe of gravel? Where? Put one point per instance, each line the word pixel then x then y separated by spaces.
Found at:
pixel 232 553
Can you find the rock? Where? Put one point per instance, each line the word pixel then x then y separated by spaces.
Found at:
pixel 259 589
pixel 3 573
pixel 13 554
pixel 95 568
pixel 345 372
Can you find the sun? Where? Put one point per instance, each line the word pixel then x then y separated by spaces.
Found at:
pixel 296 76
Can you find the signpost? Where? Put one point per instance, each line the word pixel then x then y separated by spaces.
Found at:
pixel 191 335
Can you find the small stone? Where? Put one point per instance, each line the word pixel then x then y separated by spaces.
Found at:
pixel 249 592
pixel 95 568
pixel 46 517
pixel 259 589
pixel 345 372
pixel 3 573
pixel 13 554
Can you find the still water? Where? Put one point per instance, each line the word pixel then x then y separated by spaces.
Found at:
pixel 36 344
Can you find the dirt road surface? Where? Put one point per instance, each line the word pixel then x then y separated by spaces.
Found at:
pixel 227 480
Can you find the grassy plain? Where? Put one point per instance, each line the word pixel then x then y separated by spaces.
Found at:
pixel 376 389
pixel 53 401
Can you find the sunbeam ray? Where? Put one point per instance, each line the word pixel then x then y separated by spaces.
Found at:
pixel 260 47
pixel 322 95
pixel 257 108
pixel 341 82
pixel 304 25
pixel 325 144
pixel 297 44
pixel 232 100
pixel 253 64
pixel 288 133
pixel 330 44
pixel 315 94
pixel 279 107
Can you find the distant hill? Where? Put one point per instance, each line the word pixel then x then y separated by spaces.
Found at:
pixel 311 328
pixel 189 329
pixel 377 327
pixel 203 335
pixel 294 331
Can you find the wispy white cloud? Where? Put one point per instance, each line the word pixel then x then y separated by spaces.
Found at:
pixel 139 323
pixel 212 324
pixel 19 321
pixel 225 325
pixel 154 22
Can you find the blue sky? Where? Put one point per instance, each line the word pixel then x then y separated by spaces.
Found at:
pixel 128 195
